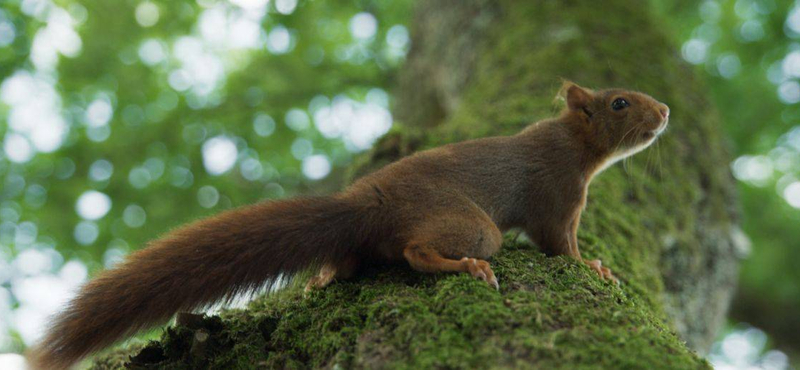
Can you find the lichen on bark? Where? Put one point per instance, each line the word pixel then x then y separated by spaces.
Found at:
pixel 662 221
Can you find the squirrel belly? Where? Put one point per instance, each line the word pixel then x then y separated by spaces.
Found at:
pixel 441 210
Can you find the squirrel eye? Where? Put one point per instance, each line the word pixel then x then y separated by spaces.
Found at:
pixel 619 103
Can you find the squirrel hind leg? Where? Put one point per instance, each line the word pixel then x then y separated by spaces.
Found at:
pixel 330 272
pixel 429 260
pixel 450 241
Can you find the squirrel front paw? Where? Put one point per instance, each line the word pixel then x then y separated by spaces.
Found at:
pixel 604 272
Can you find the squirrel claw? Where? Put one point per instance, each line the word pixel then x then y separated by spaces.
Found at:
pixel 481 270
pixel 604 272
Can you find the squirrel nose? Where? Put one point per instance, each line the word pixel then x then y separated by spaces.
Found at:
pixel 664 110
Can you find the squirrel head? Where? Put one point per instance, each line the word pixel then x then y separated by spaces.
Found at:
pixel 620 122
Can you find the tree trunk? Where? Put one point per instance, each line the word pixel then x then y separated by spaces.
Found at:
pixel 481 68
pixel 664 222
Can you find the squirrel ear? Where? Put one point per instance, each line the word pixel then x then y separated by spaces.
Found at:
pixel 578 98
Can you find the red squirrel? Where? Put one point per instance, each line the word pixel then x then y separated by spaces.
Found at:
pixel 440 210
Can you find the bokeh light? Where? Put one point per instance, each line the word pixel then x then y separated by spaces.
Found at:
pixel 92 205
pixel 219 155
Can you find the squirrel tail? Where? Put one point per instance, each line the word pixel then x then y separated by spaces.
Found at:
pixel 197 265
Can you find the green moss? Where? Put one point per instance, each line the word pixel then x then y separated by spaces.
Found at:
pixel 549 313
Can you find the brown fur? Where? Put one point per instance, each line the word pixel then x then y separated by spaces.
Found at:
pixel 439 210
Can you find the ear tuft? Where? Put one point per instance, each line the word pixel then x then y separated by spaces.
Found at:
pixel 578 98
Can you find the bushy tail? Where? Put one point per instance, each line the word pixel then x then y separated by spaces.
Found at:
pixel 199 264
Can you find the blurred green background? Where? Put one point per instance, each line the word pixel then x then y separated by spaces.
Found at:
pixel 122 119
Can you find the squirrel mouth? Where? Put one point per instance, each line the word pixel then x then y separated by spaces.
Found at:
pixel 661 128
pixel 652 134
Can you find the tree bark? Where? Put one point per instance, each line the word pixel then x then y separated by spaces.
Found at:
pixel 665 222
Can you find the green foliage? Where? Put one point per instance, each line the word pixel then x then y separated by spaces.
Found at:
pixel 172 86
